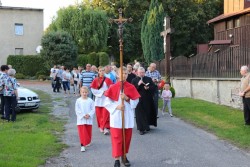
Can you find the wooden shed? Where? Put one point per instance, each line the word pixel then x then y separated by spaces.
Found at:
pixel 232 28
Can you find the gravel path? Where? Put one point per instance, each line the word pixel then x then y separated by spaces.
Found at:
pixel 173 143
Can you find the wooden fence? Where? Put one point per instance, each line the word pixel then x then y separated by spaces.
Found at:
pixel 222 64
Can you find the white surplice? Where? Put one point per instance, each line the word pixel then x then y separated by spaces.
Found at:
pixel 99 95
pixel 116 115
pixel 83 107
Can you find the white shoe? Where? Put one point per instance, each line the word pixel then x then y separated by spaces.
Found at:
pixel 83 149
pixel 101 130
pixel 171 115
pixel 106 131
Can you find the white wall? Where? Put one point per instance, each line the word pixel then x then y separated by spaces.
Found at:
pixel 220 91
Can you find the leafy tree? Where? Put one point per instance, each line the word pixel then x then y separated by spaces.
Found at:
pixel 59 48
pixel 88 27
pixel 189 18
pixel 150 33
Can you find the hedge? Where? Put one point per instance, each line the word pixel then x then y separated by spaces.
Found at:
pixel 93 59
pixel 97 59
pixel 27 65
pixel 103 58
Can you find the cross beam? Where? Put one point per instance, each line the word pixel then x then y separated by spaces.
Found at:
pixel 166 45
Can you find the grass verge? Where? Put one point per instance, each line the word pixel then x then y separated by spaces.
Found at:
pixel 32 138
pixel 225 122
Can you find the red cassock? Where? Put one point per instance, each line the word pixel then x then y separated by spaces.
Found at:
pixel 116 133
pixel 102 115
pixel 85 134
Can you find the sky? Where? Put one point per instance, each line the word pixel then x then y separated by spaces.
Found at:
pixel 50 6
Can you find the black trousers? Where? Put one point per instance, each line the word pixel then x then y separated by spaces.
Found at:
pixel 2 105
pixel 10 105
pixel 246 107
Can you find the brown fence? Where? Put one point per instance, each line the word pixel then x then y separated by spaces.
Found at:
pixel 222 64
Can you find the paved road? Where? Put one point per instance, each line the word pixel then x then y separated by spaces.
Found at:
pixel 173 143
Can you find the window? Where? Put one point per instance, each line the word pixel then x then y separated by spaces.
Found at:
pixel 18 29
pixel 230 24
pixel 237 22
pixel 18 51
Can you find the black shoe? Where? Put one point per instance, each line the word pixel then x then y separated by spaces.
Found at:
pixel 147 130
pixel 126 163
pixel 141 132
pixel 247 124
pixel 2 117
pixel 117 163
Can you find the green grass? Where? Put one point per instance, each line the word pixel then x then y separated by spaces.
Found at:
pixel 33 138
pixel 225 122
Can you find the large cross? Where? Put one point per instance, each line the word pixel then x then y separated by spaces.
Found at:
pixel 166 45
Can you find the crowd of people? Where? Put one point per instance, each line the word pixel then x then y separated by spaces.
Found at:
pixel 8 93
pixel 104 92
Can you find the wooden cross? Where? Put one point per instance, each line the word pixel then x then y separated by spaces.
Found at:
pixel 120 21
pixel 166 45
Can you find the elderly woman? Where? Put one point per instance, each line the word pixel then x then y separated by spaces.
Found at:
pixel 10 95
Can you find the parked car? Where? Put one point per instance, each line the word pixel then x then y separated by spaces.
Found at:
pixel 28 99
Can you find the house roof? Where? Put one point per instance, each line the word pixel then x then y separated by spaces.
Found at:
pixel 18 8
pixel 225 16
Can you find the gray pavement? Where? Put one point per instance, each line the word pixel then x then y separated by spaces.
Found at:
pixel 173 143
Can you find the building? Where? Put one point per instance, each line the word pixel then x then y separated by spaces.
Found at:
pixel 232 28
pixel 20 32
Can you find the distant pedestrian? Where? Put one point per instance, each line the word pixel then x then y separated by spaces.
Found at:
pixel 86 78
pixel 66 78
pixel 156 77
pixel 10 95
pixel 85 110
pixel 166 97
pixel 131 75
pixel 3 76
pixel 245 93
pixel 109 74
pixel 98 87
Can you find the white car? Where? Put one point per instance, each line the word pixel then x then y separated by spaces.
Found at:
pixel 28 99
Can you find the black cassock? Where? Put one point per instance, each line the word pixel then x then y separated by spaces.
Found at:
pixel 145 110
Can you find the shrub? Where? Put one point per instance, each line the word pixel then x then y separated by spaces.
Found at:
pixel 19 76
pixel 40 73
pixel 82 60
pixel 172 91
pixel 26 64
pixel 43 77
pixel 103 58
pixel 93 59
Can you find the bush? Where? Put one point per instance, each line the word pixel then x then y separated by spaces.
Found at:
pixel 82 60
pixel 19 76
pixel 43 77
pixel 93 59
pixel 172 91
pixel 103 58
pixel 40 73
pixel 26 64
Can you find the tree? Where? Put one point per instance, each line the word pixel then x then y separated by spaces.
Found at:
pixel 150 32
pixel 189 18
pixel 88 27
pixel 59 48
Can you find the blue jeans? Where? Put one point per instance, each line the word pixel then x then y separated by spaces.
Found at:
pixel 66 85
pixel 165 104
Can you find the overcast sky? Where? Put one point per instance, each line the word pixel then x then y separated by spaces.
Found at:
pixel 50 6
